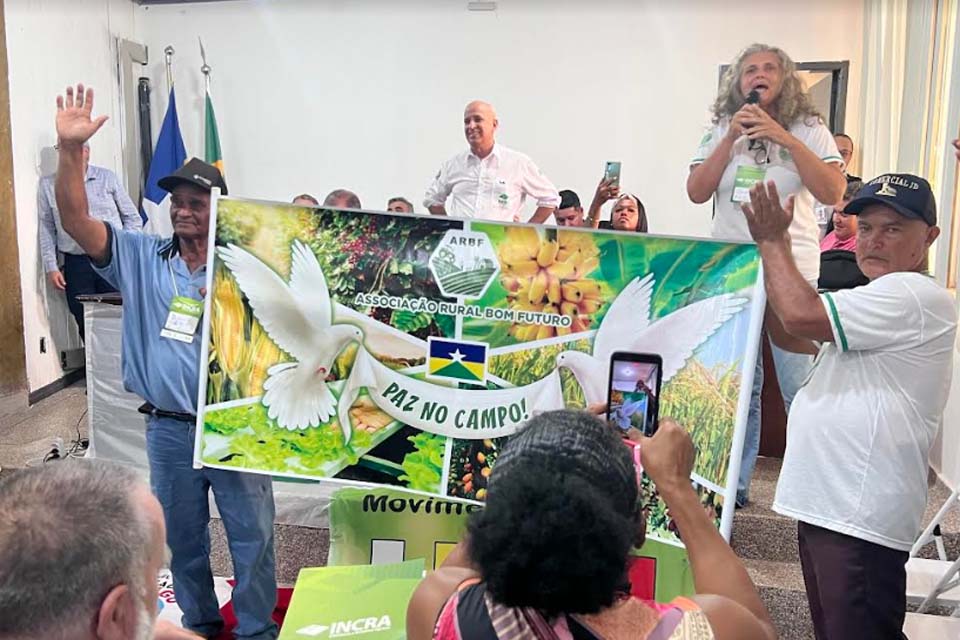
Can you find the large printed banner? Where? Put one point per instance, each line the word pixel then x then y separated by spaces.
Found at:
pixel 404 350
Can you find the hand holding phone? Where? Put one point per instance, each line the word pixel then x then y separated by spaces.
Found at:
pixel 612 174
pixel 633 392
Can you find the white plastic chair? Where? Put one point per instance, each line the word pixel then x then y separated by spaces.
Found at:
pixel 934 582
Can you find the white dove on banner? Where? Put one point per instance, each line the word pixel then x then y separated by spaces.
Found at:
pixel 298 318
pixel 627 327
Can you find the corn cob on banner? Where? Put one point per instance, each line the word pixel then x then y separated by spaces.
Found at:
pixel 404 350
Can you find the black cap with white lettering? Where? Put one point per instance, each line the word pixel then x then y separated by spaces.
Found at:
pixel 907 194
pixel 195 172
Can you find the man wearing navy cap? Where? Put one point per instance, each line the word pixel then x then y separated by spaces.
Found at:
pixel 859 432
pixel 162 282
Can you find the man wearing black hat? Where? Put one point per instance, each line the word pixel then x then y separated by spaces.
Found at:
pixel 859 433
pixel 163 283
pixel 569 213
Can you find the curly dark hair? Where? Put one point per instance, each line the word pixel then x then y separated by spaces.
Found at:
pixel 560 517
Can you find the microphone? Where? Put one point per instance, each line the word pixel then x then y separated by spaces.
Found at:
pixel 753 98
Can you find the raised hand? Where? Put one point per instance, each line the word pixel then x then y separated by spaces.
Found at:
pixel 766 217
pixel 606 190
pixel 668 456
pixel 74 124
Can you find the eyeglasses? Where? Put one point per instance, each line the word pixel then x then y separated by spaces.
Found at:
pixel 761 155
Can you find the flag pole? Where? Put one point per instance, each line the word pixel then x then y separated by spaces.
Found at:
pixel 205 68
pixel 168 53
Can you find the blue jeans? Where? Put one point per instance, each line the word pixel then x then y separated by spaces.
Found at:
pixel 245 502
pixel 792 370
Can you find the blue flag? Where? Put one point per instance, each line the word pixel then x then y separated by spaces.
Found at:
pixel 168 156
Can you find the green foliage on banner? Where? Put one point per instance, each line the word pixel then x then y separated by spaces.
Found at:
pixel 423 468
pixel 256 442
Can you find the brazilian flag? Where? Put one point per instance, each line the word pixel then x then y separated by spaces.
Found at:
pixel 211 137
pixel 456 360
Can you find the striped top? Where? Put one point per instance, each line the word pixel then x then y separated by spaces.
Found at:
pixel 472 614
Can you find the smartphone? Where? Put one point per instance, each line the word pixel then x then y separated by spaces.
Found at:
pixel 633 392
pixel 612 172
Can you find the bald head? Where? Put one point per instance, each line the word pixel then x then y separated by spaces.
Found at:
pixel 479 125
pixel 480 105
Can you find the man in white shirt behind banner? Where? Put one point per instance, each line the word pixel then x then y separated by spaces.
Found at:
pixel 489 181
pixel 860 429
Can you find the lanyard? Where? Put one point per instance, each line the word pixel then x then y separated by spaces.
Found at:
pixel 173 278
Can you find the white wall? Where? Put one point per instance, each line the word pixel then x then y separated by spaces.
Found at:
pixel 51 43
pixel 314 95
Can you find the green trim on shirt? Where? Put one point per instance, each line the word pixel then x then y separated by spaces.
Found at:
pixel 829 158
pixel 836 321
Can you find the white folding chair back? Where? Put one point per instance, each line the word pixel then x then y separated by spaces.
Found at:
pixel 934 582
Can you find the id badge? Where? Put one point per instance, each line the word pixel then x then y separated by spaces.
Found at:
pixel 822 213
pixel 747 176
pixel 183 319
pixel 503 198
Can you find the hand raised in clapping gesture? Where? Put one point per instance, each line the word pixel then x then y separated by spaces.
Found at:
pixel 74 124
pixel 766 217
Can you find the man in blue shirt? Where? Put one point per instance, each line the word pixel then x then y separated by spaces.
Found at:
pixel 107 201
pixel 162 282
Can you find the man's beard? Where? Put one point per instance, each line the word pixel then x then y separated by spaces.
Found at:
pixel 145 622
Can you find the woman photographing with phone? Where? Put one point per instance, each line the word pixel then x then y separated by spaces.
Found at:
pixel 547 557
pixel 627 213
pixel 766 128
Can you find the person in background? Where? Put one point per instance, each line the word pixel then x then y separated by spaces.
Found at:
pixel 781 138
pixel 306 200
pixel 568 474
pixel 399 205
pixel 844 233
pixel 489 181
pixel 845 147
pixel 81 544
pixel 108 202
pixel 569 213
pixel 859 433
pixel 342 199
pixel 627 213
pixel 163 284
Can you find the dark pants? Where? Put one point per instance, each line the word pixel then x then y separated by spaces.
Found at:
pixel 81 279
pixel 856 589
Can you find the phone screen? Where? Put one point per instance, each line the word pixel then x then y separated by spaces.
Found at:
pixel 612 172
pixel 633 392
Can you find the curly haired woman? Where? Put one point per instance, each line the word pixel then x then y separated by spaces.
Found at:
pixel 546 559
pixel 777 136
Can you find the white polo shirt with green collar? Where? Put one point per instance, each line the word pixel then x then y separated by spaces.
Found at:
pixel 775 163
pixel 860 429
